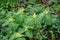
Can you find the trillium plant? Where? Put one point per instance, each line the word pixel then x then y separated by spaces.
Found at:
pixel 29 20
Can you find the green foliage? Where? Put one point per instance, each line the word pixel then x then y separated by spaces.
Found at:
pixel 30 21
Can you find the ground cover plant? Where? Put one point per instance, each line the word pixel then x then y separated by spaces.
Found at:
pixel 30 20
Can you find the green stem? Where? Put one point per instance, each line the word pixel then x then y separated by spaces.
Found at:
pixel 52 35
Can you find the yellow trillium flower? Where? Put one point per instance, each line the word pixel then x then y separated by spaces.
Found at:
pixel 21 11
pixel 18 35
pixel 11 19
pixel 34 15
pixel 46 12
